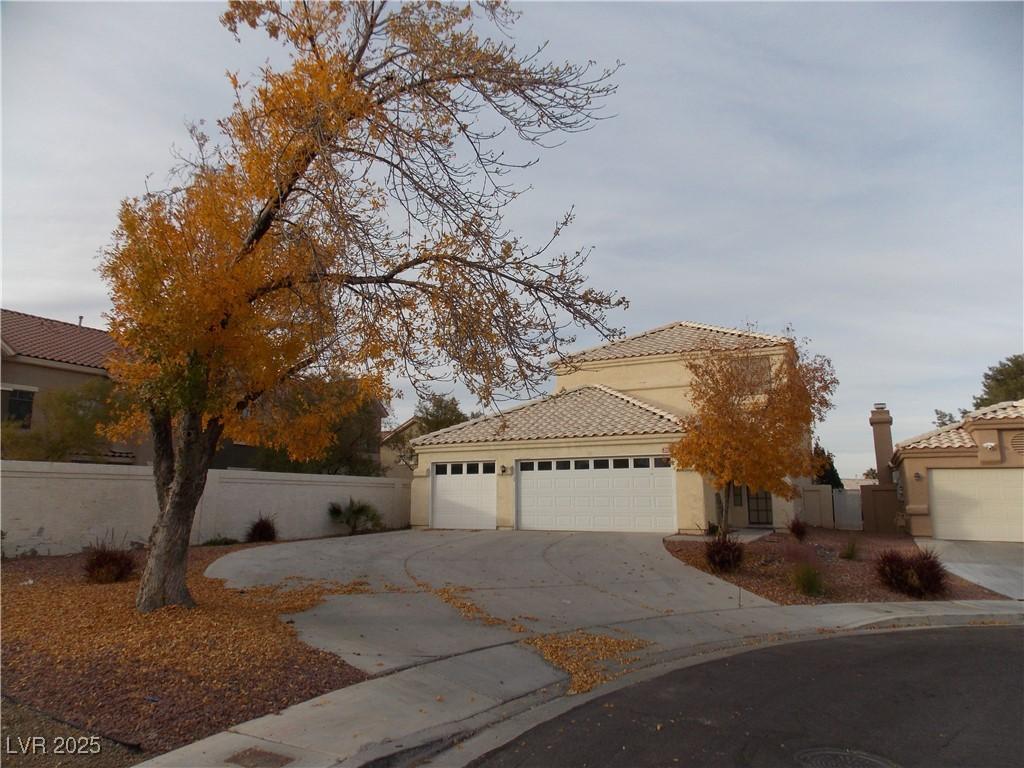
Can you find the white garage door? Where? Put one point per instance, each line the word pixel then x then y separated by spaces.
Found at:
pixel 464 495
pixel 620 494
pixel 977 504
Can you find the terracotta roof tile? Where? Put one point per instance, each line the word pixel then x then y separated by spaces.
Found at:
pixel 677 338
pixel 955 436
pixel 587 411
pixel 46 339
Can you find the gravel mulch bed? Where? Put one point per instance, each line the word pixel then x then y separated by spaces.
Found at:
pixel 20 725
pixel 81 653
pixel 768 566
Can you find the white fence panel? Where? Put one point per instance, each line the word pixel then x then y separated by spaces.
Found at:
pixel 58 508
pixel 817 506
pixel 847 510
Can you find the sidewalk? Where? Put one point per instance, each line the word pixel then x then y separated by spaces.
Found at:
pixel 425 709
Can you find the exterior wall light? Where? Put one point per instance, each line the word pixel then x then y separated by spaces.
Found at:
pixel 989 446
pixel 918 476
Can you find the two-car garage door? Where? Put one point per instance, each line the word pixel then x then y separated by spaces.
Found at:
pixel 616 494
pixel 977 504
pixel 635 493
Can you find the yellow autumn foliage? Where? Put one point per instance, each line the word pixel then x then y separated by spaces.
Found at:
pixel 754 412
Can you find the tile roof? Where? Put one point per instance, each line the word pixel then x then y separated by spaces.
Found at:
pixel 677 338
pixel 955 436
pixel 46 339
pixel 592 410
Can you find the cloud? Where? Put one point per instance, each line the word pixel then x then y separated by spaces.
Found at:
pixel 853 169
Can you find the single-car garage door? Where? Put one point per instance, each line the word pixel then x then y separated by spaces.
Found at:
pixel 977 504
pixel 634 493
pixel 464 495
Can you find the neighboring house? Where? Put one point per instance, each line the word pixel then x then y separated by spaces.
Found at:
pixel 395 460
pixel 40 354
pixel 593 455
pixel 856 483
pixel 965 481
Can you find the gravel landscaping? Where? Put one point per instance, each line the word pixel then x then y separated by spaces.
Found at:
pixel 20 725
pixel 81 653
pixel 768 565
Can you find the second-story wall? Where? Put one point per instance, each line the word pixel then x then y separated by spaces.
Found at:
pixel 662 380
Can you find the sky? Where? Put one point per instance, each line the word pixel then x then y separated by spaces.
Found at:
pixel 852 170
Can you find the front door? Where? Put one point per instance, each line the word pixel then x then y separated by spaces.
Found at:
pixel 759 508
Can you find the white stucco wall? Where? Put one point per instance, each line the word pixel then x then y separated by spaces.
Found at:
pixel 57 508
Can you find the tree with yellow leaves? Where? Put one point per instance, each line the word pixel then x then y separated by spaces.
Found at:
pixel 754 412
pixel 343 226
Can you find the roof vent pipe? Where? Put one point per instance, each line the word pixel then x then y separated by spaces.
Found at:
pixel 80 319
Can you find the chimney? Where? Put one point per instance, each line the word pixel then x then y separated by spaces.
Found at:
pixel 80 319
pixel 881 427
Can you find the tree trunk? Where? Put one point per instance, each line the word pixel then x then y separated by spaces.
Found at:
pixel 181 461
pixel 723 515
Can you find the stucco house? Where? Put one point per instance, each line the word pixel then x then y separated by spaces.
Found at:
pixel 41 354
pixel 394 458
pixel 594 454
pixel 965 481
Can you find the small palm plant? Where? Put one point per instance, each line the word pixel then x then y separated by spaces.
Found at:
pixel 357 515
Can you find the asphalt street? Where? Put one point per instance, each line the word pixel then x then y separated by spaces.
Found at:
pixel 948 697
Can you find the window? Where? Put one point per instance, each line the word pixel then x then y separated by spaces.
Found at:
pixel 543 466
pixel 440 469
pixel 737 495
pixel 18 406
pixel 456 469
pixel 488 467
pixel 565 464
pixel 662 462
pixel 641 463
pixel 526 466
pixel 473 468
pixel 581 464
pixel 620 463
pixel 600 463
pixel 759 508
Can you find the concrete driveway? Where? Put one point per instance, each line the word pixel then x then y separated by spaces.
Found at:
pixel 440 676
pixel 995 565
pixel 541 581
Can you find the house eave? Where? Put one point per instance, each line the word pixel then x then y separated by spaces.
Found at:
pixel 550 442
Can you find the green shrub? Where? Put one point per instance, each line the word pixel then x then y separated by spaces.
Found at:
pixel 807 580
pixel 920 574
pixel 723 554
pixel 798 528
pixel 219 541
pixel 106 563
pixel 262 529
pixel 357 515
pixel 849 552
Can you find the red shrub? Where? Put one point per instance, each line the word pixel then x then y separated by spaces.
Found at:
pixel 919 574
pixel 723 554
pixel 798 528
pixel 105 564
